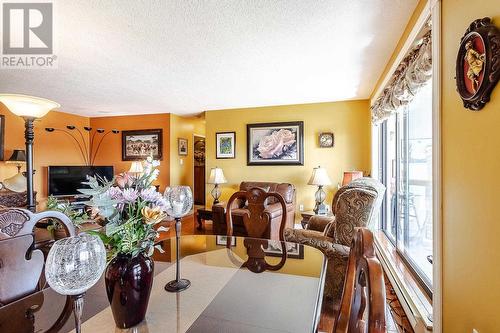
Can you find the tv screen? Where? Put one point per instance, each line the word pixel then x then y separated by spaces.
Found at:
pixel 66 180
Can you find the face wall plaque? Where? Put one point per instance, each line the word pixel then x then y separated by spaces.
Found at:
pixel 478 63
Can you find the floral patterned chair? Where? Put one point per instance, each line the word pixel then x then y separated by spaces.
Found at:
pixel 355 205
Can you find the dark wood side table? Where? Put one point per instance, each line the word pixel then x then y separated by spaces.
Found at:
pixel 308 214
pixel 203 214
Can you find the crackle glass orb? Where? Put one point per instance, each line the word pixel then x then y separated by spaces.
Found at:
pixel 75 264
pixel 179 200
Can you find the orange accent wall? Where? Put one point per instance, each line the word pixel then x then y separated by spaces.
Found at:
pixel 110 152
pixel 54 148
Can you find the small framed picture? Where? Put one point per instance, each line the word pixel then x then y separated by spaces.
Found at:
pixel 294 250
pixel 139 144
pixel 182 146
pixel 222 240
pixel 225 145
pixel 326 140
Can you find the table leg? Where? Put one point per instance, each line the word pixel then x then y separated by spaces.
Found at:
pixel 198 217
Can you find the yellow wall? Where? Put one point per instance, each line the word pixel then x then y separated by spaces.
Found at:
pixel 183 127
pixel 471 161
pixel 49 148
pixel 348 120
pixel 110 152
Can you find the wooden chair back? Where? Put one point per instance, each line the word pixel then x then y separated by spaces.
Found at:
pixel 362 308
pixel 256 221
pixel 20 264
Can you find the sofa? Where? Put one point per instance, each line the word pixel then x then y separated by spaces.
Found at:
pixel 354 205
pixel 273 209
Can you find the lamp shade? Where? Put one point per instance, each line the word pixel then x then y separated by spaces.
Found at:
pixel 349 176
pixel 136 167
pixel 319 177
pixel 217 176
pixel 27 106
pixel 18 156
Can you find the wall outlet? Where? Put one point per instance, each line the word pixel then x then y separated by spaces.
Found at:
pixel 301 208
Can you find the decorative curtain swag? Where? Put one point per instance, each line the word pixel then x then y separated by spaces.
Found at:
pixel 414 71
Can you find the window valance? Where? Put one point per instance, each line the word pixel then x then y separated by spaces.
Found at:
pixel 414 71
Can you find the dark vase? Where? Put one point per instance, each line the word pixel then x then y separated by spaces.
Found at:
pixel 128 285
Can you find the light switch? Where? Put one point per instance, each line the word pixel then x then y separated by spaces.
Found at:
pixel 181 161
pixel 301 208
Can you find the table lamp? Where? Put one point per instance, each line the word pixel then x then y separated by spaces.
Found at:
pixel 349 176
pixel 136 168
pixel 29 108
pixel 320 178
pixel 18 157
pixel 216 178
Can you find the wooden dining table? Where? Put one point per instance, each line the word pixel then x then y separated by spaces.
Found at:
pixel 230 292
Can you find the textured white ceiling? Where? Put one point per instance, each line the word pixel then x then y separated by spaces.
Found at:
pixel 128 57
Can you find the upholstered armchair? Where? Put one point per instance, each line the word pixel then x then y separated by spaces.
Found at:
pixel 354 205
pixel 273 210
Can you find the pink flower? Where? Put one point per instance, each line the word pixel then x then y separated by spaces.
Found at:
pixel 270 145
pixel 287 136
pixel 150 195
pixel 124 180
pixel 130 195
pixel 115 193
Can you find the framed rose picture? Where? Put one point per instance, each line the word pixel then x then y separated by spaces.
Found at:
pixel 182 146
pixel 275 143
pixel 139 144
pixel 225 145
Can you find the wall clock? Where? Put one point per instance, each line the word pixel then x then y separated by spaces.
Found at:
pixel 478 63
pixel 326 140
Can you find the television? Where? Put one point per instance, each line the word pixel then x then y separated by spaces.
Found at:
pixel 66 180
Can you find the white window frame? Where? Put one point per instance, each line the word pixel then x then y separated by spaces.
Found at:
pixel 431 10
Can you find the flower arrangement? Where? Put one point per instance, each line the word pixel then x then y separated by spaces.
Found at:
pixel 131 207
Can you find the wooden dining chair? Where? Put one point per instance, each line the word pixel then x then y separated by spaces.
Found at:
pixel 362 308
pixel 21 265
pixel 256 219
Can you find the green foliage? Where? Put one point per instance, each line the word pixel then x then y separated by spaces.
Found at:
pixel 64 207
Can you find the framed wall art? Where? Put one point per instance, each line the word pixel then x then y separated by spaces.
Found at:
pixel 326 140
pixel 225 145
pixel 222 240
pixel 182 146
pixel 139 144
pixel 294 250
pixel 275 143
pixel 478 63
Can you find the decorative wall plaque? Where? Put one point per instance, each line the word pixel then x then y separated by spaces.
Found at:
pixel 478 63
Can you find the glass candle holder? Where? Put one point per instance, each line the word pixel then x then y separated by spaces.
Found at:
pixel 74 264
pixel 179 203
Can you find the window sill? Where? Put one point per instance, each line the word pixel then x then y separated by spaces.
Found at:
pixel 411 295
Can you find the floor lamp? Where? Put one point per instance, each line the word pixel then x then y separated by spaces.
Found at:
pixel 29 108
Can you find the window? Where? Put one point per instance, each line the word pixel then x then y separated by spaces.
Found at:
pixel 405 161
